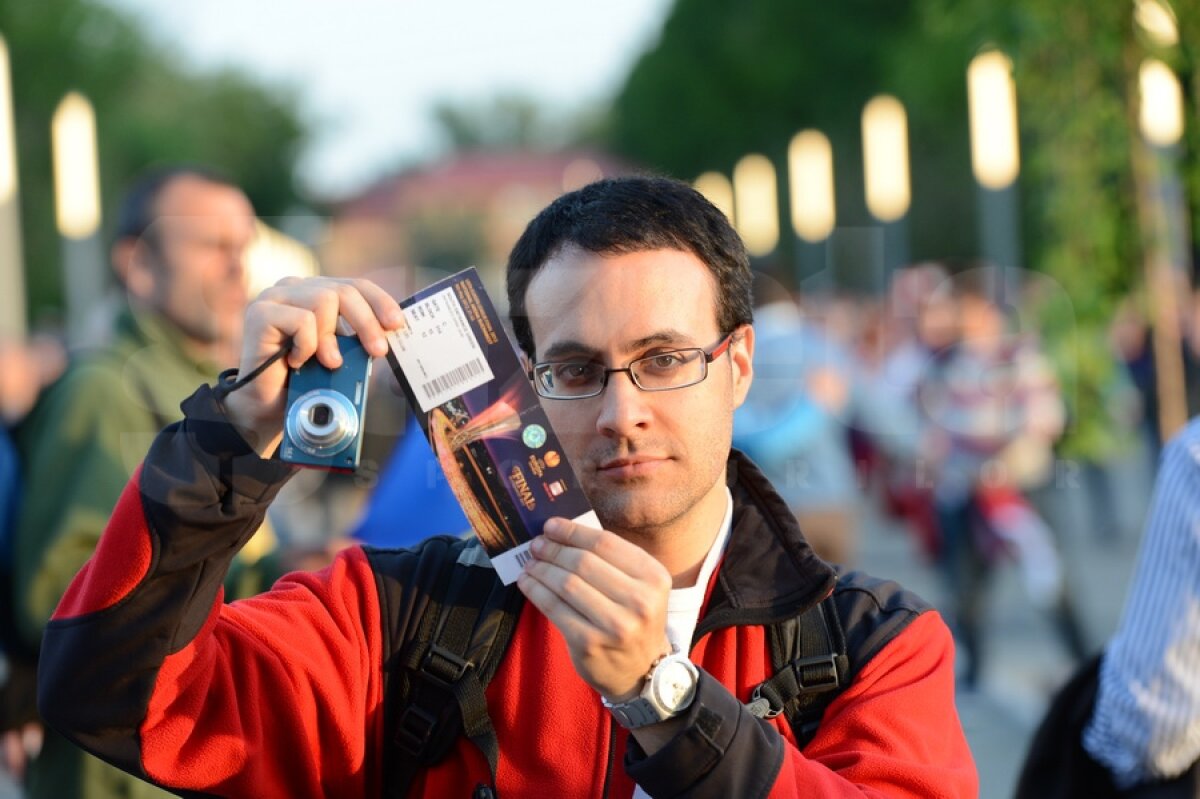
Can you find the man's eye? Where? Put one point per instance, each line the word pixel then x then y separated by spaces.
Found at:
pixel 574 373
pixel 664 362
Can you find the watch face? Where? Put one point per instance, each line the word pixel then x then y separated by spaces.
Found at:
pixel 673 684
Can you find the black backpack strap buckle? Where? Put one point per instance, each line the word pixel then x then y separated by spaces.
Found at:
pixel 414 731
pixel 815 674
pixel 444 667
pixel 800 677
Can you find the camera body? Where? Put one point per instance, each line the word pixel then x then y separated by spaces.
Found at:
pixel 323 422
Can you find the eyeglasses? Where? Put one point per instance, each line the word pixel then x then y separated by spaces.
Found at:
pixel 662 371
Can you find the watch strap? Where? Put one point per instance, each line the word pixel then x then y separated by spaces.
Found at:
pixel 641 711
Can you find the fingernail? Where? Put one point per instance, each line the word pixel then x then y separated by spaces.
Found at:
pixel 537 545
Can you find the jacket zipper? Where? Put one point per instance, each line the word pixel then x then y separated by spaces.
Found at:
pixel 612 750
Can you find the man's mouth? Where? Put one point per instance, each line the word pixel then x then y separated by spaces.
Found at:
pixel 632 466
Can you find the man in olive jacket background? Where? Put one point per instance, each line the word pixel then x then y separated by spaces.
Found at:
pixel 181 236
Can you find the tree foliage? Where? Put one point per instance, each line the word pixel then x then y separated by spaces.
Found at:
pixel 149 110
pixel 727 78
pixel 514 121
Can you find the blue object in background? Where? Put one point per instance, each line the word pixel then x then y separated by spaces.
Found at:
pixel 413 500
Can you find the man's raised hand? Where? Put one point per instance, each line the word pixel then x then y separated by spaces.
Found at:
pixel 304 312
pixel 607 596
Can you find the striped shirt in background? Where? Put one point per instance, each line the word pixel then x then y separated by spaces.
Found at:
pixel 1146 723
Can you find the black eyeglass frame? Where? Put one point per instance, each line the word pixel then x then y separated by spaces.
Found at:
pixel 708 355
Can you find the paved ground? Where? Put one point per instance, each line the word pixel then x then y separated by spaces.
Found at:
pixel 1025 660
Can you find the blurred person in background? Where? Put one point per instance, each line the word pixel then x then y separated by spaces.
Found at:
pixel 919 329
pixel 1146 724
pixel 26 368
pixel 1132 336
pixel 1127 724
pixel 794 423
pixel 181 235
pixel 992 411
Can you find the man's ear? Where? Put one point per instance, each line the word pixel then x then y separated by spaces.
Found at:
pixel 741 356
pixel 132 265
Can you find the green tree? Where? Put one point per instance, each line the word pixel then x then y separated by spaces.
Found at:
pixel 149 110
pixel 727 78
pixel 511 121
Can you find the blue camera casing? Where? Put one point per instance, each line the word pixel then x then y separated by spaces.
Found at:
pixel 325 414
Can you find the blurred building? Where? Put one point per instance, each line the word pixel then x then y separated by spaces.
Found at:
pixel 467 210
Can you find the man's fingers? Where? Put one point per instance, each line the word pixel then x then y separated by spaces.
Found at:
pixel 562 535
pixel 305 313
pixel 569 621
pixel 616 587
pixel 361 316
pixel 270 325
pixel 367 309
pixel 384 305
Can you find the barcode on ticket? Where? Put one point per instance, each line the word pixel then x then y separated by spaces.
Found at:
pixel 438 350
pixel 509 563
pixel 444 384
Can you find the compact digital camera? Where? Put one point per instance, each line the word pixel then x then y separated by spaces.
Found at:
pixel 323 425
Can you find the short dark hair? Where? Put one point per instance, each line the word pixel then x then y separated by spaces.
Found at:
pixel 633 214
pixel 138 206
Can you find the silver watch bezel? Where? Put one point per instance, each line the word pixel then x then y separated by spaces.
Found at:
pixel 645 708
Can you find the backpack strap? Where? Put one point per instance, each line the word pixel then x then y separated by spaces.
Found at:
pixel 808 653
pixel 459 642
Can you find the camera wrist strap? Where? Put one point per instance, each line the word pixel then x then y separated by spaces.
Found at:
pixel 228 381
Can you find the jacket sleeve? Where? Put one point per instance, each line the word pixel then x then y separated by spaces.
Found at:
pixel 145 666
pixel 894 732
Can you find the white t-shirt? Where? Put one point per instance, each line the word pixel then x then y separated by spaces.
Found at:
pixel 683 606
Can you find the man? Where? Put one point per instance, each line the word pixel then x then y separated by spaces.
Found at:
pixel 795 424
pixel 1127 723
pixel 991 410
pixel 622 284
pixel 181 234
pixel 1146 724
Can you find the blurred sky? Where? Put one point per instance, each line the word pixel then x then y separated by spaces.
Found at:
pixel 368 71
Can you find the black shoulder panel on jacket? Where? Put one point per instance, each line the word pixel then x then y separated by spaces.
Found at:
pixel 872 612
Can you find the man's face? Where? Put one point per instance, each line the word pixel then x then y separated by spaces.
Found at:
pixel 191 265
pixel 647 460
pixel 982 323
pixel 938 324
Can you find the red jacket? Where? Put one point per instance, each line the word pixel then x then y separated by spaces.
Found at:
pixel 283 695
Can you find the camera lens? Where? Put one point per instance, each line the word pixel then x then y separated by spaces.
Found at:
pixel 320 415
pixel 322 422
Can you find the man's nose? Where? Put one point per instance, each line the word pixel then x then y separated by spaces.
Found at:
pixel 236 259
pixel 623 406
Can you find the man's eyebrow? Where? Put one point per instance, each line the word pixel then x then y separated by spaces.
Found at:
pixel 561 349
pixel 577 349
pixel 660 337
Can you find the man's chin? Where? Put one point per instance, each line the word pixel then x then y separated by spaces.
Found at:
pixel 630 513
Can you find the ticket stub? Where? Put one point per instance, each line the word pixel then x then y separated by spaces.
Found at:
pixel 484 422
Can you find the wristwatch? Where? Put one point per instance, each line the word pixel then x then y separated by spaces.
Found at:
pixel 669 690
